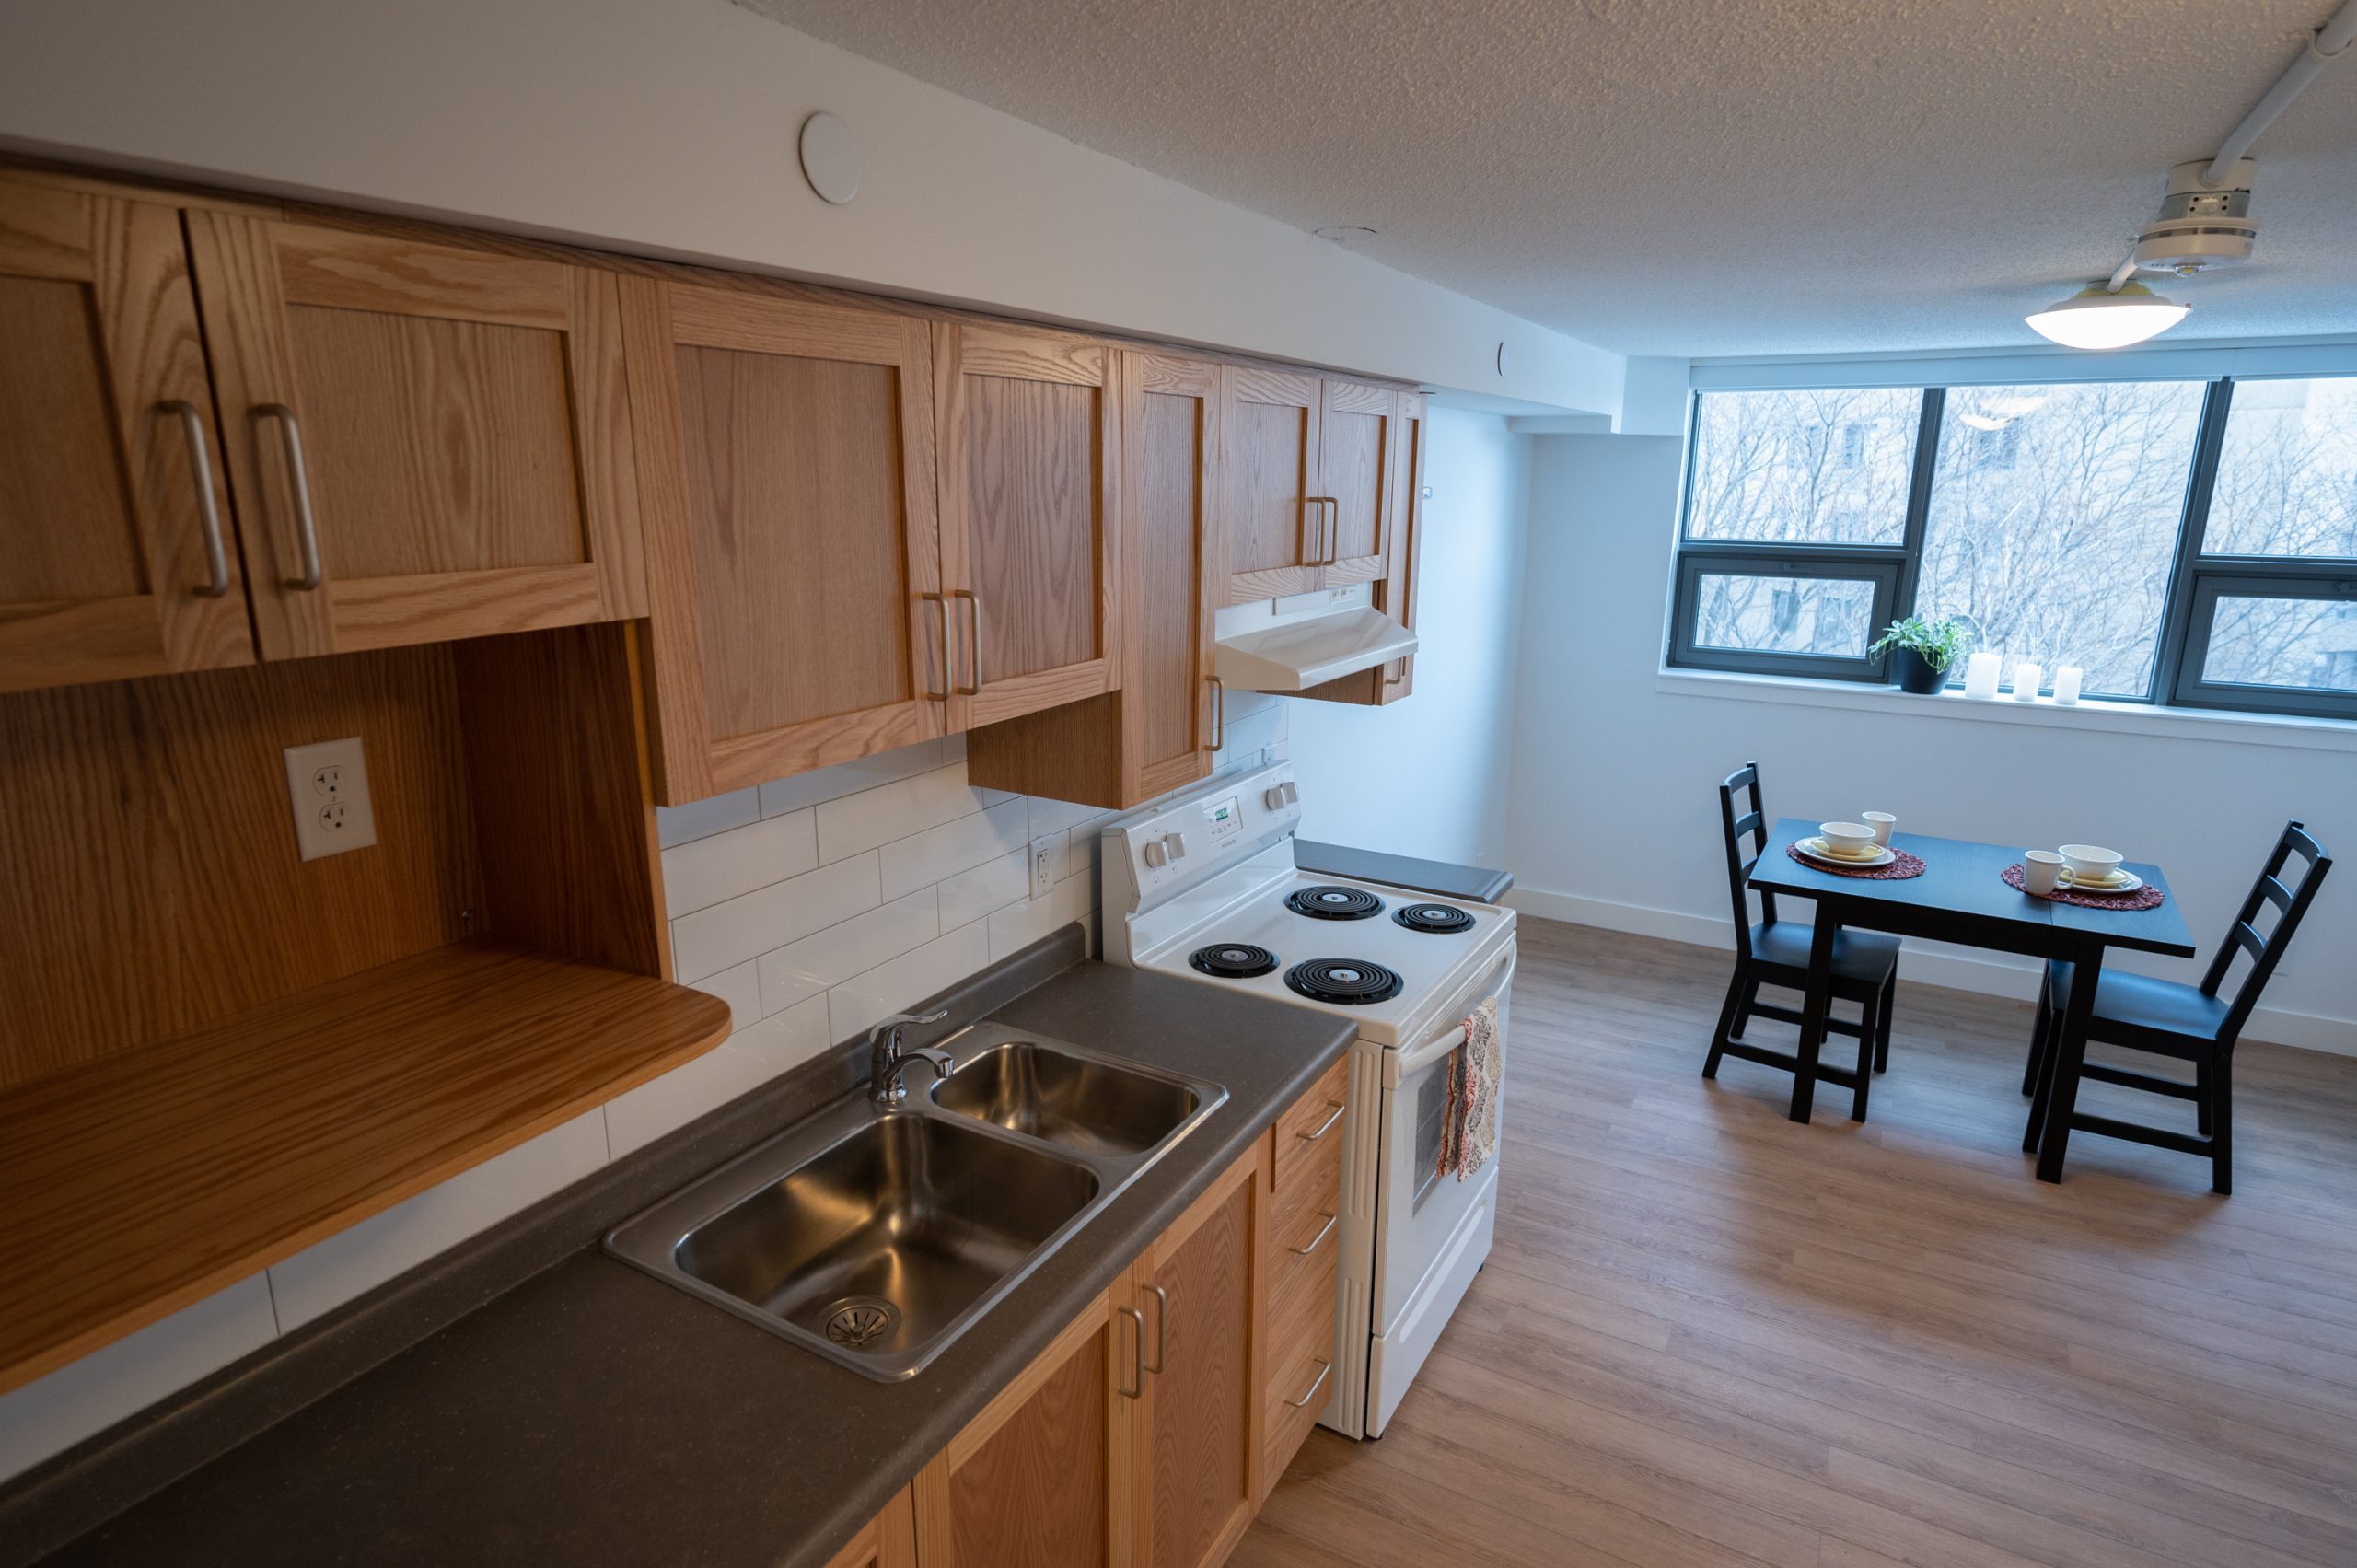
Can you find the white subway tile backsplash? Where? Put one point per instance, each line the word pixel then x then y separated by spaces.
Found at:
pixel 1018 925
pixel 804 969
pixel 952 847
pixel 740 987
pixel 993 885
pixel 713 939
pixel 699 875
pixel 895 810
pixel 701 818
pixel 646 1113
pixel 1055 816
pixel 896 984
pixel 780 795
pixel 788 1039
pixel 323 1277
pixel 53 1413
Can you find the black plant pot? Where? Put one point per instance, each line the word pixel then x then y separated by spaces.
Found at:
pixel 1916 673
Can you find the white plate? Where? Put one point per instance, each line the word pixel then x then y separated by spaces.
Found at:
pixel 1814 847
pixel 2129 882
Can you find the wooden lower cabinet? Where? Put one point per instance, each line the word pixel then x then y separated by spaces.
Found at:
pixel 888 1540
pixel 1139 1437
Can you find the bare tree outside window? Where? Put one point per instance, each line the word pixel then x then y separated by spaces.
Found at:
pixel 2287 475
pixel 2053 521
pixel 1804 467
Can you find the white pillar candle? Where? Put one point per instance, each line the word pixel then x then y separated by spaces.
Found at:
pixel 2066 683
pixel 2026 676
pixel 1980 674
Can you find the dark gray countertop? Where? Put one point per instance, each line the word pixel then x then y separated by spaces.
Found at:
pixel 1441 878
pixel 594 1416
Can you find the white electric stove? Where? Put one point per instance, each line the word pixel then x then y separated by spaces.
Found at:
pixel 1203 886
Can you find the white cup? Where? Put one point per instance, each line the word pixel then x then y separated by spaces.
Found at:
pixel 1848 840
pixel 2041 871
pixel 2088 863
pixel 1881 822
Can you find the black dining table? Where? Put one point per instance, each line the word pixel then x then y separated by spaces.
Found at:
pixel 1963 897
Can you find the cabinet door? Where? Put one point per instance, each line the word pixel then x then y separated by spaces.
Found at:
pixel 1170 477
pixel 1042 1477
pixel 426 443
pixel 785 454
pixel 1398 595
pixel 1194 1492
pixel 888 1540
pixel 1355 452
pixel 1028 464
pixel 117 559
pixel 1276 534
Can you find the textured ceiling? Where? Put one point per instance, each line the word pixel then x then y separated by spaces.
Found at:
pixel 1679 176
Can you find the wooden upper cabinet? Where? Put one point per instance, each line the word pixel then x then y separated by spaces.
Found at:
pixel 1276 531
pixel 785 454
pixel 1398 595
pixel 1356 448
pixel 120 557
pixel 1028 468
pixel 1042 1477
pixel 1194 1451
pixel 425 442
pixel 1171 478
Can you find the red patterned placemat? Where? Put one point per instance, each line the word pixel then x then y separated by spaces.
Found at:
pixel 2144 898
pixel 1902 866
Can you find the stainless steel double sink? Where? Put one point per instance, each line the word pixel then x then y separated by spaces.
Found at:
pixel 875 1237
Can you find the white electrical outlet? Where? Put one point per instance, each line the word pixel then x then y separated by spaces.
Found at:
pixel 328 784
pixel 1046 855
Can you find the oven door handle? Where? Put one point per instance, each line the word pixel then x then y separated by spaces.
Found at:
pixel 1448 1039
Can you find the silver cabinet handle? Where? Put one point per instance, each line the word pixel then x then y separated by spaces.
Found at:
pixel 1324 529
pixel 1161 1328
pixel 1316 1241
pixel 1324 1127
pixel 941 604
pixel 1333 532
pixel 307 527
pixel 1396 679
pixel 216 550
pixel 1324 1369
pixel 974 645
pixel 1136 1385
pixel 1219 713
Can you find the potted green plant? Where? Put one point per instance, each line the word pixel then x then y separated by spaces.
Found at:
pixel 1923 651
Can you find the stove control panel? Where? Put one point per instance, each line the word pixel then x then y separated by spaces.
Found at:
pixel 1183 842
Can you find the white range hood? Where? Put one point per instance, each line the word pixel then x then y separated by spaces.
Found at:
pixel 1292 645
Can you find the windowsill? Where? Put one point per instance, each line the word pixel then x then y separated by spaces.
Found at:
pixel 2122 719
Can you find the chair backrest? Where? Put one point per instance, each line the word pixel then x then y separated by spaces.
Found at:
pixel 2291 901
pixel 1741 818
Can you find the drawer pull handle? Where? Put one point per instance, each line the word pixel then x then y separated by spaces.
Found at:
pixel 1325 1368
pixel 1316 1241
pixel 1324 1127
pixel 1136 1385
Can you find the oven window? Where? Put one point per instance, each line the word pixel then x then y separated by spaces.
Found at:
pixel 1431 1118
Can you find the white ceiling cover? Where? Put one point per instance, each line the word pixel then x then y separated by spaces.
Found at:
pixel 1686 178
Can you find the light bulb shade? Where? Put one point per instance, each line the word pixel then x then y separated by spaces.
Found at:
pixel 2096 318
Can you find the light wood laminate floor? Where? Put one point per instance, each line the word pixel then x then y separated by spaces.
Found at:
pixel 1709 1336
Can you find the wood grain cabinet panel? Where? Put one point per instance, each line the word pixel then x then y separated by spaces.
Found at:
pixel 787 460
pixel 426 443
pixel 1395 584
pixel 1192 1496
pixel 889 1540
pixel 1028 468
pixel 121 556
pixel 1356 448
pixel 1159 730
pixel 1042 1477
pixel 1276 532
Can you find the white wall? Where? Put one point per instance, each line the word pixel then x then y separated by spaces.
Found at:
pixel 669 127
pixel 1428 775
pixel 1613 817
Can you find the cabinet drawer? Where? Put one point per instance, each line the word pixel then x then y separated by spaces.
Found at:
pixel 1301 1352
pixel 1303 1205
pixel 1312 1128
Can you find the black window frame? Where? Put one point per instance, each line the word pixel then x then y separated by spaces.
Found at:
pixel 2197 579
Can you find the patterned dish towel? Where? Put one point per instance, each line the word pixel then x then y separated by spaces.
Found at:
pixel 1469 1126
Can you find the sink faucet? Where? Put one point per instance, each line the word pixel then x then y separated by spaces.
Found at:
pixel 888 1057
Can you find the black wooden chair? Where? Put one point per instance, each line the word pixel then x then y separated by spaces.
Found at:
pixel 2168 1017
pixel 1775 952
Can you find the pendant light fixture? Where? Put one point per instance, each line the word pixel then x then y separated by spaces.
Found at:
pixel 2098 316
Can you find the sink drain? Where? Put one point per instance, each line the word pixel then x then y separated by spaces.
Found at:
pixel 861 1320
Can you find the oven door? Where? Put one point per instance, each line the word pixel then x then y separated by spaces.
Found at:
pixel 1418 1212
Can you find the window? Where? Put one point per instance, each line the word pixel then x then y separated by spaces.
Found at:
pixel 2192 542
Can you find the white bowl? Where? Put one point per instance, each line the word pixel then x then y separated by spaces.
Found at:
pixel 2089 862
pixel 1852 839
